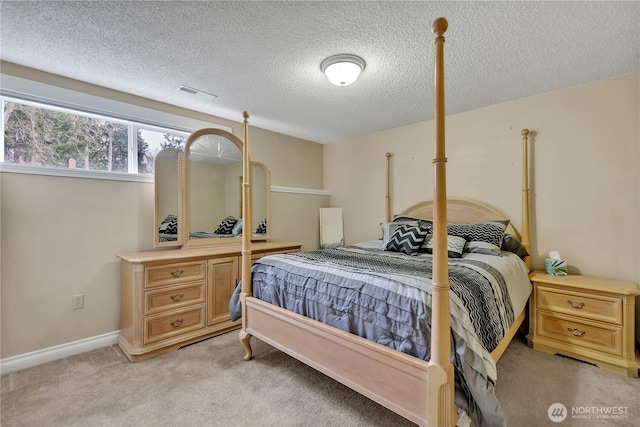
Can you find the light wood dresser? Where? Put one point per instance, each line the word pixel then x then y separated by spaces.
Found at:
pixel 586 318
pixel 171 298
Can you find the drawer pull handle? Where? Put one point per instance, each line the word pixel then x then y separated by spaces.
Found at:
pixel 576 332
pixel 176 323
pixel 177 297
pixel 575 304
pixel 177 273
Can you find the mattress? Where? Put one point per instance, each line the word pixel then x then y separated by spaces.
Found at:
pixel 386 297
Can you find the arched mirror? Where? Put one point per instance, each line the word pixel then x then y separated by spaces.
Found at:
pixel 213 190
pixel 168 202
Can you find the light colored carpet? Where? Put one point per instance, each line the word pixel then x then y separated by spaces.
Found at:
pixel 208 384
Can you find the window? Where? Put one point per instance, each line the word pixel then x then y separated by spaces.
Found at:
pixel 151 141
pixel 43 135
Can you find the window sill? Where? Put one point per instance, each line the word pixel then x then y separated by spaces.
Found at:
pixel 73 173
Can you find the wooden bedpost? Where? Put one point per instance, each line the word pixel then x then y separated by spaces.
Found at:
pixel 387 197
pixel 246 237
pixel 440 391
pixel 526 232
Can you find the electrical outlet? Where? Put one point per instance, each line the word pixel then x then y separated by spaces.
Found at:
pixel 77 301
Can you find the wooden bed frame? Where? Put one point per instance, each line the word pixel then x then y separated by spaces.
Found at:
pixel 420 391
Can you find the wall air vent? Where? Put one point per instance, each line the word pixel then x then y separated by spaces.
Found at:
pixel 194 91
pixel 188 90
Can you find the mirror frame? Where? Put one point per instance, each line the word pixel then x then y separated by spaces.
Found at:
pixel 267 173
pixel 186 193
pixel 157 220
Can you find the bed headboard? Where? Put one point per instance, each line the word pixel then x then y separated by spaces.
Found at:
pixel 468 211
pixel 461 211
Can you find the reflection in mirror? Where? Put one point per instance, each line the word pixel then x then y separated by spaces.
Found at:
pixel 260 200
pixel 167 207
pixel 213 190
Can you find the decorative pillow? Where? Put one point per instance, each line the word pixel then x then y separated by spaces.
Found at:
pixel 226 226
pixel 169 225
pixel 425 245
pixel 478 247
pixel 455 246
pixel 237 229
pixel 489 232
pixel 512 244
pixel 389 227
pixel 262 227
pixel 407 239
pixel 424 223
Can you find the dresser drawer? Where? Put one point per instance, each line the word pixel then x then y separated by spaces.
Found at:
pixel 157 328
pixel 174 273
pixel 588 306
pixel 163 299
pixel 570 330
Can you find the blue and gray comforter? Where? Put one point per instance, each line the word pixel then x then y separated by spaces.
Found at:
pixel 386 298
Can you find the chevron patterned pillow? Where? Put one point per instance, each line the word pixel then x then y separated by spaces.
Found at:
pixel 490 232
pixel 226 226
pixel 407 239
pixel 455 246
pixel 262 227
pixel 169 225
pixel 389 227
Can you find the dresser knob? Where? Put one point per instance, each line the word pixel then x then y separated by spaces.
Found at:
pixel 177 273
pixel 576 332
pixel 575 304
pixel 177 297
pixel 176 323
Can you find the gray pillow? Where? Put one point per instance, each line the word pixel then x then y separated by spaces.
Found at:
pixel 512 244
pixel 478 247
pixel 424 223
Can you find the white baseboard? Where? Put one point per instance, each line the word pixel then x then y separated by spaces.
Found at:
pixel 38 357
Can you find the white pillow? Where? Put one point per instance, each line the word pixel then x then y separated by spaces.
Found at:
pixel 237 229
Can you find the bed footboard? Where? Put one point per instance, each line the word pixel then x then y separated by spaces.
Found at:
pixel 395 380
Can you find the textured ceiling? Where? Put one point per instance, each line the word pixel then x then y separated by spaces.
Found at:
pixel 265 56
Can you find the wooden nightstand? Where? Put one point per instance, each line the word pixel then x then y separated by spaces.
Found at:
pixel 586 318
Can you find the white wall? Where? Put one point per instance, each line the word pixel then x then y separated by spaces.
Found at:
pixel 60 235
pixel 585 158
pixel 585 182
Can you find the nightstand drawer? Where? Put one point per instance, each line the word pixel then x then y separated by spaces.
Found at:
pixel 566 329
pixel 174 273
pixel 165 299
pixel 588 306
pixel 157 328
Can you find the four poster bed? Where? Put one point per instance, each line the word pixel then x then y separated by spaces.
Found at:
pixel 387 321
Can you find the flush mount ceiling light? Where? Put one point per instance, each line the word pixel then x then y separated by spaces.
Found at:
pixel 342 70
